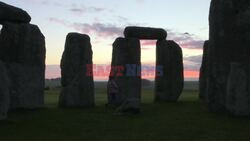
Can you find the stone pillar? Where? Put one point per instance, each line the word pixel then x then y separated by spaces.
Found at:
pixel 238 94
pixel 77 85
pixel 217 86
pixel 114 95
pixel 125 92
pixel 23 50
pixel 203 73
pixel 229 30
pixel 4 92
pixel 228 42
pixel 170 79
pixel 221 44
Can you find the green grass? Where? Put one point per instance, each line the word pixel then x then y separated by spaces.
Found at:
pixel 183 121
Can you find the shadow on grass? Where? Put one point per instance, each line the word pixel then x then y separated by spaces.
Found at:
pixel 188 119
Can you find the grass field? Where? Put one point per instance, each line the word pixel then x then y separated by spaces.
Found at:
pixel 187 120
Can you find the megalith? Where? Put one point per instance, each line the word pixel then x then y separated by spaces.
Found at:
pixel 77 85
pixel 169 78
pixel 229 30
pixel 145 33
pixel 22 48
pixel 203 73
pixel 13 14
pixel 217 86
pixel 238 94
pixel 4 92
pixel 228 42
pixel 124 89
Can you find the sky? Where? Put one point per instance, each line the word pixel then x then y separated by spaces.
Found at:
pixel 186 22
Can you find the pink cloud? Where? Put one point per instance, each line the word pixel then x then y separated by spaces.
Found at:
pixel 148 42
pixel 83 10
pixel 101 30
pixel 185 40
pixel 59 21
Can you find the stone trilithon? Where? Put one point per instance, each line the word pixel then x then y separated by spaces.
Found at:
pixel 124 86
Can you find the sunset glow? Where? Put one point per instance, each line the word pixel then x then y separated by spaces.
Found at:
pixel 105 21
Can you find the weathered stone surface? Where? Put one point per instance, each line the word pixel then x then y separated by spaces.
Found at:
pixel 169 83
pixel 238 94
pixel 78 87
pixel 114 97
pixel 10 13
pixel 229 22
pixel 22 47
pixel 145 33
pixel 126 56
pixel 217 86
pixel 204 73
pixel 4 92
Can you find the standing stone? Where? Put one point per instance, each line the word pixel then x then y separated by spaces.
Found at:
pixel 217 87
pixel 229 30
pixel 169 83
pixel 203 73
pixel 22 48
pixel 126 74
pixel 238 94
pixel 13 14
pixel 229 35
pixel 4 92
pixel 77 85
pixel 114 97
pixel 145 33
